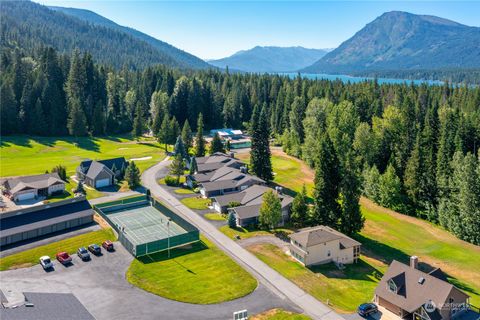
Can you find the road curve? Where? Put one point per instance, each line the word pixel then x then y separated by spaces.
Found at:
pixel 269 277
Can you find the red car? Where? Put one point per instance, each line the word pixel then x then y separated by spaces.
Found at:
pixel 64 258
pixel 108 245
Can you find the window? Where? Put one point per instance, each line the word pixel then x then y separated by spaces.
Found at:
pixel 328 253
pixel 392 286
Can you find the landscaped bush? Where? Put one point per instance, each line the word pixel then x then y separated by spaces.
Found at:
pixel 171 181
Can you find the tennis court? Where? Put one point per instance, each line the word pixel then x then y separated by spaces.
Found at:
pixel 145 226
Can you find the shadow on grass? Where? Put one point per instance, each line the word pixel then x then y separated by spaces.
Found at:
pixel 22 141
pixel 462 286
pixel 380 251
pixel 149 144
pixel 174 253
pixel 356 271
pixel 290 192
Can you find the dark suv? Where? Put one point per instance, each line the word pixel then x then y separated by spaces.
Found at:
pixel 367 309
pixel 95 249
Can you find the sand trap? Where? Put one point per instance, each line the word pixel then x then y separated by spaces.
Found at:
pixel 123 148
pixel 141 159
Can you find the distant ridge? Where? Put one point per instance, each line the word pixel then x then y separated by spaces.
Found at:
pixel 270 59
pixel 404 41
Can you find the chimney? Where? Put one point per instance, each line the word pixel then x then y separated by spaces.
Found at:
pixel 414 262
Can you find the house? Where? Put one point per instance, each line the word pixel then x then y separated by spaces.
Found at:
pixel 103 173
pixel 214 162
pixel 413 294
pixel 322 244
pixel 223 180
pixel 32 187
pixel 236 138
pixel 252 198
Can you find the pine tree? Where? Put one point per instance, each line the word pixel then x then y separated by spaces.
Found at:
pixel 270 211
pixel 299 211
pixel 8 109
pixel 98 120
pixel 61 171
pixel 217 144
pixel 390 190
pixel 138 122
pixel 326 209
pixel 179 148
pixel 77 123
pixel 187 136
pixel 199 140
pixel 260 160
pixel 79 189
pixel 232 220
pixel 177 167
pixel 371 183
pixel 163 134
pixel 132 175
pixel 193 165
pixel 174 131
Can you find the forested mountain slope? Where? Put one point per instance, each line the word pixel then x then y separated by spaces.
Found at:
pixel 400 40
pixel 27 25
pixel 181 56
pixel 271 59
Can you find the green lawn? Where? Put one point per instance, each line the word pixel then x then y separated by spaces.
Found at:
pixel 196 203
pixel 184 191
pixel 24 155
pixel 202 274
pixel 345 289
pixel 214 216
pixel 279 314
pixel 248 233
pixel 30 257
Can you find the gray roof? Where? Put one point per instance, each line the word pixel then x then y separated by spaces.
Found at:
pixel 411 293
pixel 224 178
pixel 322 234
pixel 251 195
pixel 39 181
pixel 91 168
pixel 216 161
pixel 252 208
pixel 95 169
pixel 48 306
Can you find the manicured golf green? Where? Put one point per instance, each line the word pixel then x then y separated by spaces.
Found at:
pixel 30 257
pixel 201 274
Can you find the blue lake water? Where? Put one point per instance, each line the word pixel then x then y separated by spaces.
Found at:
pixel 351 79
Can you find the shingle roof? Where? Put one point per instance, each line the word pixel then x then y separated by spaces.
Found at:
pixel 40 218
pixel 38 181
pixel 413 294
pixel 247 196
pixel 48 306
pixel 321 234
pixel 252 208
pixel 96 168
pixel 91 168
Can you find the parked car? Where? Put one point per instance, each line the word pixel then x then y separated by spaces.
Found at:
pixel 83 254
pixel 46 262
pixel 366 309
pixel 108 245
pixel 64 258
pixel 95 249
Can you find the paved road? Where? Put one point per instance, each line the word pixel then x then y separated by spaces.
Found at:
pixel 266 275
pixel 101 286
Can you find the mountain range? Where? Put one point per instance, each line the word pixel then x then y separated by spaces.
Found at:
pixel 271 59
pixel 404 41
pixel 27 25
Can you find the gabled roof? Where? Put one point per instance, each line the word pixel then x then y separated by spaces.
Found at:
pixel 252 207
pixel 322 234
pixel 95 169
pixel 91 168
pixel 416 292
pixel 39 181
pixel 251 195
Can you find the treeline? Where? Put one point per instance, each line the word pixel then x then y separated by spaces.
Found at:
pixel 407 145
pixel 452 75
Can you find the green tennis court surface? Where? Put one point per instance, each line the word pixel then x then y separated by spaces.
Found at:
pixel 144 224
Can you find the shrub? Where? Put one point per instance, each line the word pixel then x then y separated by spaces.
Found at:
pixel 171 181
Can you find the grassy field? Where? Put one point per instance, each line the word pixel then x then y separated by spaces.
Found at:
pixel 196 203
pixel 245 233
pixel 345 289
pixel 214 216
pixel 279 314
pixel 183 191
pixel 202 274
pixel 23 155
pixel 388 235
pixel 30 257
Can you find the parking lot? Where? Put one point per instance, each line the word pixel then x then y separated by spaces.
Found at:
pixel 101 286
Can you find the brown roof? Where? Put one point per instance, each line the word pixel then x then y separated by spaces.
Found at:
pixel 39 181
pixel 415 287
pixel 321 234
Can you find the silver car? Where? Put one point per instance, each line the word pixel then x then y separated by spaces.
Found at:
pixel 46 262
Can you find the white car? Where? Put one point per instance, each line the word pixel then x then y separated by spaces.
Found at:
pixel 46 262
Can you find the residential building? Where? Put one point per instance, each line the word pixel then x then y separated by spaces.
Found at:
pixel 102 173
pixel 214 162
pixel 413 294
pixel 322 244
pixel 236 138
pixel 32 187
pixel 222 181
pixel 35 221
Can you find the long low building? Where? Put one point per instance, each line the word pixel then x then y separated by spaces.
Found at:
pixel 36 221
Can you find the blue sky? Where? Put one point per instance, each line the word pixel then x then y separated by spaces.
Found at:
pixel 217 29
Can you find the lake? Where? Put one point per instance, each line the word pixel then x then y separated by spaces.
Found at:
pixel 351 79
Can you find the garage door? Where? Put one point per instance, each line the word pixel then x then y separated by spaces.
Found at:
pixel 26 196
pixel 102 183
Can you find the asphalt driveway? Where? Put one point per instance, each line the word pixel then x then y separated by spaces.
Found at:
pixel 101 286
